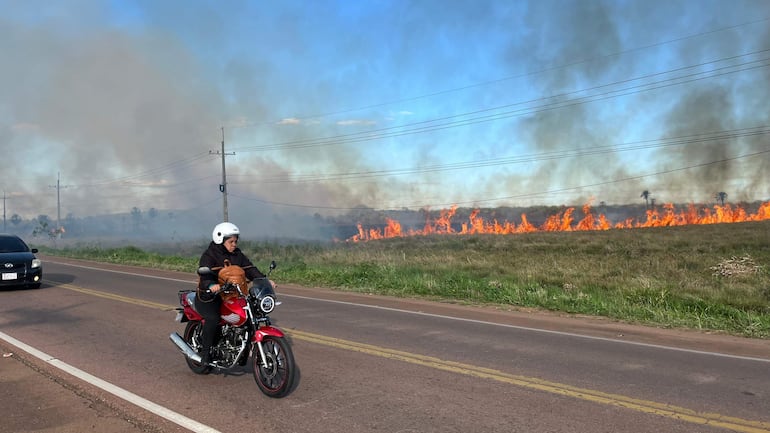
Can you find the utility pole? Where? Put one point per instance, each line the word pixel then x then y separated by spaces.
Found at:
pixel 58 187
pixel 58 200
pixel 223 185
pixel 4 230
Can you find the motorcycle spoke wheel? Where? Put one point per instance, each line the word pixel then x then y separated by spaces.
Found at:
pixel 277 377
pixel 192 336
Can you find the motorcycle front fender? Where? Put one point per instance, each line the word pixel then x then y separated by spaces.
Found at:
pixel 267 331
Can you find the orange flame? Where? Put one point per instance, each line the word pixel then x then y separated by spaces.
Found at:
pixel 564 221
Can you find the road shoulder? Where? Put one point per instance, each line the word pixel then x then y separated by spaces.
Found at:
pixel 41 399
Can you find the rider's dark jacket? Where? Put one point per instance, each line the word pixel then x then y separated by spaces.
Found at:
pixel 214 258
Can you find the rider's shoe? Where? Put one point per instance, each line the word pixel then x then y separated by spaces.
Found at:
pixel 206 357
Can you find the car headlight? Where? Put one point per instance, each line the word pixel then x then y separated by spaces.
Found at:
pixel 36 263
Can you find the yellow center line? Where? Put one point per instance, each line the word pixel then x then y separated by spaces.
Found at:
pixel 644 406
pixel 140 302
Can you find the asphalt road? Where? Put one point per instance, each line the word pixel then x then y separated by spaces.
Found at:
pixel 95 356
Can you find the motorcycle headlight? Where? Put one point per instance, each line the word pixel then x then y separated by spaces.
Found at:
pixel 267 304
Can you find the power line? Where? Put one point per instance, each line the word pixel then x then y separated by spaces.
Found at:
pixel 468 118
pixel 562 154
pixel 508 78
pixel 625 179
pixel 156 171
pixel 430 125
pixel 483 116
pixel 532 158
pixel 517 196
pixel 638 145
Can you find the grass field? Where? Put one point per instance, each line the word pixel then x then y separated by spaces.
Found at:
pixel 708 277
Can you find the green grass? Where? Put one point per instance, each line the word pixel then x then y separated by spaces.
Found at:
pixel 713 277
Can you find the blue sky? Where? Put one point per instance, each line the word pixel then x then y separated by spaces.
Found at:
pixel 330 105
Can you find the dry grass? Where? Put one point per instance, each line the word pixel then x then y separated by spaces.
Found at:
pixel 707 277
pixel 736 267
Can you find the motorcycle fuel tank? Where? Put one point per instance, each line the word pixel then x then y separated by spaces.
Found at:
pixel 232 311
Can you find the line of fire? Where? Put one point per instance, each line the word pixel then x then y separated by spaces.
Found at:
pixel 666 216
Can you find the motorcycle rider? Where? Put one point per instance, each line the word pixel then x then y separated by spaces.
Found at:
pixel 223 247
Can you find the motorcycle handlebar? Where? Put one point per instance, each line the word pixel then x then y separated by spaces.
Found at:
pixel 230 287
pixel 225 288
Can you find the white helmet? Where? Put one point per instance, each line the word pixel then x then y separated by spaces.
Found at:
pixel 224 230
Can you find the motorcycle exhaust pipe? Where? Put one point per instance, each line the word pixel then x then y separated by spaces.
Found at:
pixel 184 347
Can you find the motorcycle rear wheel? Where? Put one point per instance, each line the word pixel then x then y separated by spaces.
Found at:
pixel 276 379
pixel 192 336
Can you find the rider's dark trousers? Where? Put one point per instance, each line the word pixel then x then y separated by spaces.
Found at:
pixel 210 313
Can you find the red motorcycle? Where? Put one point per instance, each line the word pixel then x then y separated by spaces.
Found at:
pixel 245 330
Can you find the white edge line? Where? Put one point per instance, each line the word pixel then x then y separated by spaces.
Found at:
pixel 161 411
pixel 93 268
pixel 546 331
pixel 523 328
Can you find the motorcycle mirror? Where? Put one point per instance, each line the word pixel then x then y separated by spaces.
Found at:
pixel 204 270
pixel 272 265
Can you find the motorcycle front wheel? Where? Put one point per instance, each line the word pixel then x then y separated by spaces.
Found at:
pixel 192 336
pixel 275 376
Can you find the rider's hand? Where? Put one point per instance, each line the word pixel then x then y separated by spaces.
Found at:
pixel 214 288
pixel 273 284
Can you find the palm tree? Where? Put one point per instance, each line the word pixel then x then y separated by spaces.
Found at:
pixel 721 196
pixel 646 196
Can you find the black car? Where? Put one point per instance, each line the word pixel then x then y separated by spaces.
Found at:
pixel 18 264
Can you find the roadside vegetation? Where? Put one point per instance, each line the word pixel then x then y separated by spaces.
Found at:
pixel 706 277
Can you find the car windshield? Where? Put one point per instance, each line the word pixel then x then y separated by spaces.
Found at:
pixel 10 244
